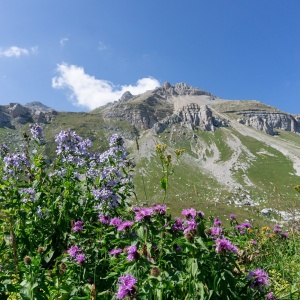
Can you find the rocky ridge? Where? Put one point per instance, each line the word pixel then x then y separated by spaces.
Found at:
pixel 14 114
pixel 195 107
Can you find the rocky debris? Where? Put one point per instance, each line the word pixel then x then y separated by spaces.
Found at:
pixel 266 211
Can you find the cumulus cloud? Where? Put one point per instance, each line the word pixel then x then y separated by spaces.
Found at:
pixel 15 51
pixel 87 91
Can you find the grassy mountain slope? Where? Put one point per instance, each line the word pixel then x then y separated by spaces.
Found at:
pixel 235 167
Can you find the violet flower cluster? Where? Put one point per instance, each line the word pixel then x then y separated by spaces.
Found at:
pixel 225 246
pixel 259 278
pixel 126 286
pixel 74 252
pixel 37 132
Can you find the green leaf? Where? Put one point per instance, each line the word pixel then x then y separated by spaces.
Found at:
pixel 47 257
pixel 164 183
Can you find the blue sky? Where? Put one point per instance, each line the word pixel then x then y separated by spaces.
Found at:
pixel 77 55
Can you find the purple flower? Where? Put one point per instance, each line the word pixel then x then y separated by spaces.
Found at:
pixel 37 132
pixel 200 214
pixel 78 226
pixel 177 247
pixel 277 229
pixel 244 225
pixel 80 258
pixel 132 253
pixel 190 225
pixel 104 219
pixel 115 252
pixel 259 278
pixel 217 222
pixel 270 296
pixel 189 213
pixel 223 246
pixel 216 231
pixel 159 209
pixel 115 222
pixel 125 285
pixel 254 243
pixel 178 224
pixel 143 213
pixel 284 235
pixel 116 140
pixel 73 251
pixel 232 216
pixel 125 225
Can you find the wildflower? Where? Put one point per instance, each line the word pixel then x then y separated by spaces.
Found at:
pixel 223 246
pixel 284 235
pixel 232 216
pixel 41 249
pixel 260 279
pixel 62 268
pixel 178 225
pixel 37 132
pixel 126 286
pixel 115 222
pixel 125 225
pixel 115 252
pixel 200 214
pixel 155 271
pixel 80 258
pixel 27 260
pixel 254 243
pixel 73 251
pixel 28 194
pixel 244 225
pixel 143 214
pixel 189 213
pixel 217 222
pixel 104 219
pixel 159 209
pixel 270 296
pixel 190 225
pixel 216 231
pixel 78 226
pixel 177 247
pixel 132 253
pixel 116 140
pixel 189 236
pixel 277 229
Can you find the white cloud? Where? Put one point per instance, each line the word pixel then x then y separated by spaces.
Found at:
pixel 63 41
pixel 15 51
pixel 102 46
pixel 87 91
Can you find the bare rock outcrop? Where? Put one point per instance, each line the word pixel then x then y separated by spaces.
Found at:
pixel 269 122
pixel 192 115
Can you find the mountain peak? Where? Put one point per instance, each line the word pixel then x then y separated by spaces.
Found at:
pixel 38 106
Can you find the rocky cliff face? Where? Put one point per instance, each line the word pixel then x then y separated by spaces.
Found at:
pixel 191 115
pixel 269 122
pixel 15 113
